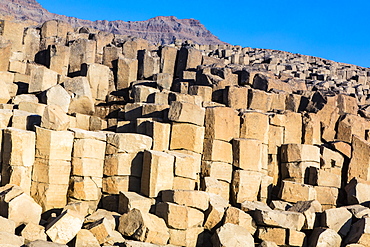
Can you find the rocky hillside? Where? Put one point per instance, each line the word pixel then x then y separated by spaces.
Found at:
pixel 163 30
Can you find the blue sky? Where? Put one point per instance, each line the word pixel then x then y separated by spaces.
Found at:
pixel 335 30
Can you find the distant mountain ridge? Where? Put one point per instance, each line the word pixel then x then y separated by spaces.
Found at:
pixel 161 29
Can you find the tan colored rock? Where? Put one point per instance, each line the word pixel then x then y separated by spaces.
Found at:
pixel 5 117
pixel 245 185
pixel 4 94
pixel 187 136
pixel 48 195
pixel 267 244
pixel 124 164
pixel 331 158
pixel 276 235
pixel 221 123
pixel 18 147
pixel 186 113
pixel 53 144
pixel 115 184
pixel 11 240
pixel 218 170
pixel 324 237
pixel 187 164
pixel 358 166
pixel 356 191
pixel 51 171
pixel 160 132
pixel 18 206
pixel 311 129
pixel 65 227
pixel 277 218
pixel 41 79
pixel 85 238
pixel 33 232
pixel 178 216
pixel 293 128
pixel 215 212
pixel 298 171
pixel 188 58
pixel 299 152
pixel 326 178
pixel 255 125
pixel 25 120
pixel 294 192
pixel 18 155
pixel 55 118
pixel 248 154
pixel 131 200
pixel 88 148
pixel 42 243
pixel 188 237
pixel 337 219
pixel 127 143
pixel 57 95
pixel 157 173
pixel 144 227
pixel 238 217
pixel 82 51
pixel 101 229
pixel 58 55
pixel 87 167
pixel 127 72
pixel 5 52
pixel 168 59
pixel 217 150
pixel 205 92
pixel 32 107
pixel 7 225
pixel 295 238
pixel 236 97
pixel 84 188
pixel 309 210
pixel 180 183
pixel 327 195
pixel 98 76
pixel 82 100
pixel 231 235
pixel 189 198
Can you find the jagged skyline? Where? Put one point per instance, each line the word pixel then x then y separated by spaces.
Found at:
pixel 323 29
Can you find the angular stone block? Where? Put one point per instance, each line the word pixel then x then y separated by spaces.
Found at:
pixel 294 192
pixel 187 136
pixel 144 227
pixel 130 200
pixel 127 143
pixel 65 227
pixel 222 123
pixel 178 216
pixel 186 113
pixel 216 150
pixel 157 173
pixel 255 125
pixel 189 198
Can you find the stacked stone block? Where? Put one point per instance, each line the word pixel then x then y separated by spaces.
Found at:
pixel 88 156
pixel 52 168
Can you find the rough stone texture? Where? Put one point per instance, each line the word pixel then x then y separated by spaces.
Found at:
pixel 144 227
pixel 232 235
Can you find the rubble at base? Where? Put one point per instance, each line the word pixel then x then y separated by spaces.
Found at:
pixel 109 140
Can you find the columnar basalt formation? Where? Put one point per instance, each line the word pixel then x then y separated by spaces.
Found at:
pixel 110 140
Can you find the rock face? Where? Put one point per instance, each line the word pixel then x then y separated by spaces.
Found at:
pixel 201 145
pixel 161 29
